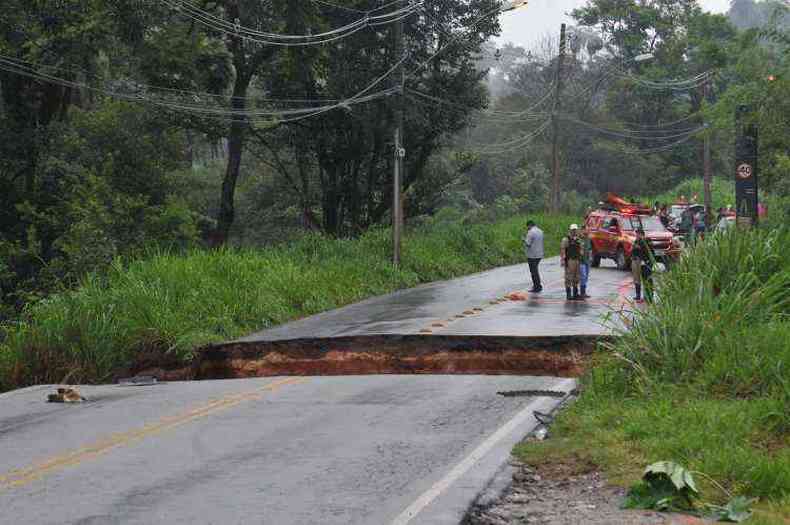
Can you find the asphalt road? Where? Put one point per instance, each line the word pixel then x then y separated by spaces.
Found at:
pixel 448 308
pixel 317 450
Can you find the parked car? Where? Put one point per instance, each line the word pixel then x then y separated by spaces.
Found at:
pixel 613 234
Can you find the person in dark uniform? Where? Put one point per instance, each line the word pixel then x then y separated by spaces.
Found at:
pixel 663 215
pixel 642 260
pixel 570 258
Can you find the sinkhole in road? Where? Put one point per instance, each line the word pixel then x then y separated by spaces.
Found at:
pixel 547 356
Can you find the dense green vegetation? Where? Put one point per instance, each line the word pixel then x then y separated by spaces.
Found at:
pixel 702 378
pixel 176 303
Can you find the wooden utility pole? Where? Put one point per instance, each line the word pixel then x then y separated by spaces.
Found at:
pixel 399 151
pixel 708 175
pixel 555 148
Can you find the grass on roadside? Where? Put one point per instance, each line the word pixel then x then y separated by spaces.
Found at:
pixel 702 379
pixel 177 303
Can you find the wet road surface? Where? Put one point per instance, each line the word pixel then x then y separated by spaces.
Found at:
pixel 279 451
pixel 439 308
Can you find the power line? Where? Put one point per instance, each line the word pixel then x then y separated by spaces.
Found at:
pixel 137 87
pixel 353 10
pixel 658 149
pixel 678 85
pixel 279 115
pixel 664 124
pixel 635 134
pixel 512 145
pixel 235 29
pixel 340 7
pixel 500 116
pixel 453 39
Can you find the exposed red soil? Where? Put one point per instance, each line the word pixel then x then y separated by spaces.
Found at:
pixel 558 356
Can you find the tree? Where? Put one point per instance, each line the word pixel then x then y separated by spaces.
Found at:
pixel 343 158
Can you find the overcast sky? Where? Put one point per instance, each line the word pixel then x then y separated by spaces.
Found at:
pixel 526 25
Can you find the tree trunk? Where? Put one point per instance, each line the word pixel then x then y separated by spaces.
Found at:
pixel 330 204
pixel 236 136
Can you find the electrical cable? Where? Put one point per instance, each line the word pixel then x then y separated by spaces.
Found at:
pixel 664 124
pixel 197 96
pixel 477 115
pixel 275 39
pixel 207 17
pixel 659 149
pixel 633 134
pixel 342 8
pixel 291 115
pixel 453 39
pixel 679 85
pixel 492 115
pixel 506 147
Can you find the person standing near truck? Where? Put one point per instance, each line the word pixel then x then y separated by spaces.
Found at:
pixel 570 258
pixel 533 245
pixel 663 215
pixel 642 258
pixel 584 263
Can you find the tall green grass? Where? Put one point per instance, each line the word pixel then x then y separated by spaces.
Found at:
pixel 703 376
pixel 177 303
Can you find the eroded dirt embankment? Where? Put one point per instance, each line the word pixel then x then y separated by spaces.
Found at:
pixel 555 356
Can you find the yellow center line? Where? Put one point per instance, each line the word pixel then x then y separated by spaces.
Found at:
pixel 20 477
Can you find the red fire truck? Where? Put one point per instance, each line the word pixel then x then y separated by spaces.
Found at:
pixel 612 229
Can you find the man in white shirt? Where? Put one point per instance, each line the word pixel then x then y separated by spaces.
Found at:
pixel 533 245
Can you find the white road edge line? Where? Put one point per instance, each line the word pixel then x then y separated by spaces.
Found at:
pixel 477 454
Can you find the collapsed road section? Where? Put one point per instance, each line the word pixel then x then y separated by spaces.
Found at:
pixel 480 324
pixel 560 356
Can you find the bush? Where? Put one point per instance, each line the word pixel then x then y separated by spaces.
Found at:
pixel 102 190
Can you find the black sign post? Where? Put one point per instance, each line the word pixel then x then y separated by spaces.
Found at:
pixel 745 170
